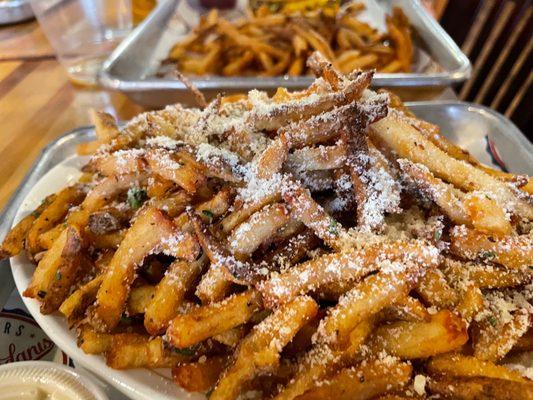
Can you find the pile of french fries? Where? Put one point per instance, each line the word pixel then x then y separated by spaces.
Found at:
pixel 268 43
pixel 316 244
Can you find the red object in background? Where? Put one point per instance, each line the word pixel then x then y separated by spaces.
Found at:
pixel 218 3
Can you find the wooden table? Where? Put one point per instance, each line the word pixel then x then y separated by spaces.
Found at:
pixel 38 103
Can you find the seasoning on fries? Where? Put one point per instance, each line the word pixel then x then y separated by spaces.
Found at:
pixel 315 244
pixel 270 43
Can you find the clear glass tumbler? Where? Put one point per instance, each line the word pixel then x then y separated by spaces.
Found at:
pixel 83 32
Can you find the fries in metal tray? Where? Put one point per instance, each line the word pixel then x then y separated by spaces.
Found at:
pixel 276 43
pixel 309 245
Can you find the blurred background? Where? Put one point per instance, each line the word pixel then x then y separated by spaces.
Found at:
pixel 496 35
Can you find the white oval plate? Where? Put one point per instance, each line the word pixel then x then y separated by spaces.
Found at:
pixel 139 384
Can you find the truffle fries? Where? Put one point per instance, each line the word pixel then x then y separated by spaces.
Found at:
pixel 312 244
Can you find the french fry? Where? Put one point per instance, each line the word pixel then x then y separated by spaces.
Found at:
pixel 199 376
pixel 169 294
pixel 169 167
pixel 445 332
pixel 59 269
pixel 93 342
pixel 480 388
pixel 435 291
pixel 488 276
pixel 362 382
pixel 52 215
pixel 460 365
pixel 144 236
pixel 207 321
pixel 365 299
pixel 494 339
pixel 509 251
pixel 259 351
pixel 75 305
pixel 139 299
pixel 339 267
pixel 137 351
pixel 14 241
pixel 248 236
pixel 304 208
pixel 321 360
pixel 396 134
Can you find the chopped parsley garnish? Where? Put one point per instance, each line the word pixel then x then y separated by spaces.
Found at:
pixel 187 351
pixel 41 294
pixel 58 276
pixel 492 320
pixel 136 197
pixel 333 227
pixel 437 235
pixel 126 320
pixel 488 255
pixel 209 214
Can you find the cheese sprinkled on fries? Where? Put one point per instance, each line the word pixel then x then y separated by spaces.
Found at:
pixel 315 244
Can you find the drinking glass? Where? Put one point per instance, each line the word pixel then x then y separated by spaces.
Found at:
pixel 83 32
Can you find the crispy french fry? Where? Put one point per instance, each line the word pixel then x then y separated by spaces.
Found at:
pixel 144 236
pixel 321 360
pixel 207 321
pixel 93 342
pixel 139 299
pixel 365 299
pixel 14 241
pixel 493 339
pixel 199 376
pixel 339 267
pixel 480 388
pixel 59 269
pixel 75 306
pixel 445 332
pixel 435 291
pixel 509 251
pixel 248 236
pixel 460 365
pixel 136 351
pixel 169 294
pixel 52 215
pixel 362 382
pixel 259 351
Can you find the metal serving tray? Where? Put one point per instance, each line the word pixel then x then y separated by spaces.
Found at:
pixel 468 125
pixel 131 67
pixel 13 11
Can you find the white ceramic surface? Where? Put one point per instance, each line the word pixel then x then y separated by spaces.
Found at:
pixel 139 384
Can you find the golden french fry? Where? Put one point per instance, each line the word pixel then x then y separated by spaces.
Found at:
pixel 128 351
pixel 52 215
pixel 480 388
pixel 341 267
pixel 493 339
pixel 460 365
pixel 207 321
pixel 139 299
pixel 445 332
pixel 148 231
pixel 260 349
pixel 261 226
pixel 14 241
pixel 509 251
pixel 362 382
pixel 199 376
pixel 59 269
pixel 169 294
